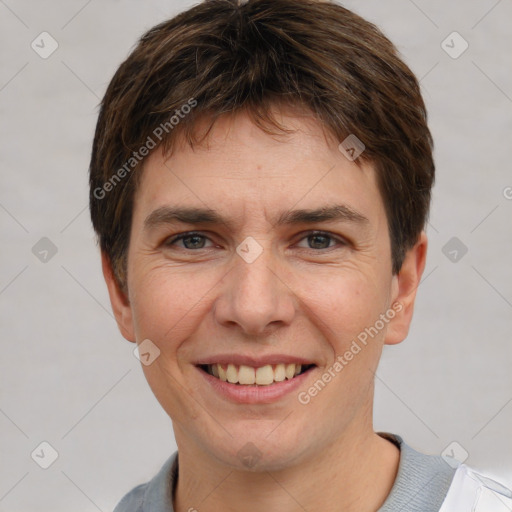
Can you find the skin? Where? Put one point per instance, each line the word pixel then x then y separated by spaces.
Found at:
pixel 302 296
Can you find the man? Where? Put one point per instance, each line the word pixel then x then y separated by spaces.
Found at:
pixel 260 179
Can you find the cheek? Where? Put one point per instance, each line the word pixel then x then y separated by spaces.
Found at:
pixel 169 302
pixel 348 302
pixel 168 308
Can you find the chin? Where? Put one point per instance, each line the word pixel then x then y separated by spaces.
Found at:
pixel 258 453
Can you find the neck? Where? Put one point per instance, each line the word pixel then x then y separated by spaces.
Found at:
pixel 356 473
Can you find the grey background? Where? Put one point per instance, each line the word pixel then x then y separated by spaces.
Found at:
pixel 68 377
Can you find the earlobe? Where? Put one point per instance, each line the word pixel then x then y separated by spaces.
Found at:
pixel 406 284
pixel 119 301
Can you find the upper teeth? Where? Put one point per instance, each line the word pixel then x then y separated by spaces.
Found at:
pixel 264 375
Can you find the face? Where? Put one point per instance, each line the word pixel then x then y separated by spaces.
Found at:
pixel 263 254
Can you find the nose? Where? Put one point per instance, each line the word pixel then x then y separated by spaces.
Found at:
pixel 255 297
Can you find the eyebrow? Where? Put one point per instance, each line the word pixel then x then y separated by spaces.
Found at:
pixel 196 216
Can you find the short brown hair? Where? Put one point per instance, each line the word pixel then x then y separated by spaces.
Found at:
pixel 222 56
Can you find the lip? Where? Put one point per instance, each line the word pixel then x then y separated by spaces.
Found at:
pixel 255 362
pixel 252 394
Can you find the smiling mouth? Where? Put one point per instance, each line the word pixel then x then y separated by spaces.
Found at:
pixel 248 376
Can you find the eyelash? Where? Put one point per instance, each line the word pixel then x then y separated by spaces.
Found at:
pixel 188 234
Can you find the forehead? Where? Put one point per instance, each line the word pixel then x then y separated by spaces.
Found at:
pixel 240 168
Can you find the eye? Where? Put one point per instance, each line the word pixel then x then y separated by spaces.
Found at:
pixel 317 240
pixel 321 240
pixel 191 240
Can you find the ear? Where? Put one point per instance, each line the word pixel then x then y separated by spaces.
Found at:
pixel 119 301
pixel 405 286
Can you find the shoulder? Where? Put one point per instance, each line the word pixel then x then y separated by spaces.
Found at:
pixel 422 480
pixel 132 502
pixel 434 483
pixel 155 495
pixel 473 492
